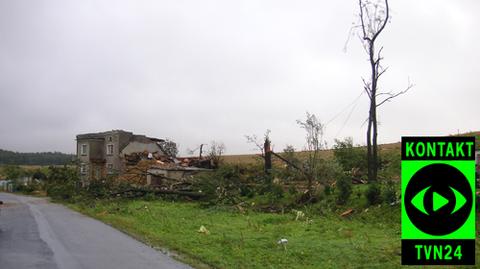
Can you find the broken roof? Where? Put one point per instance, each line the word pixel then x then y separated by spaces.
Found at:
pixel 133 137
pixel 100 135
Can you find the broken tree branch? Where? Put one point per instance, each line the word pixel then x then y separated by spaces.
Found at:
pixel 393 95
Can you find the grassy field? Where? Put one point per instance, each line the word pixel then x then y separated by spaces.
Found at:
pixel 366 239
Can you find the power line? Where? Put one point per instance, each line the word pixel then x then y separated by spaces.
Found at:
pixel 345 109
pixel 348 118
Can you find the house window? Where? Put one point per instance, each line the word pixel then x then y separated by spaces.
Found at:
pixel 83 169
pixel 109 168
pixel 83 149
pixel 110 149
pixel 109 139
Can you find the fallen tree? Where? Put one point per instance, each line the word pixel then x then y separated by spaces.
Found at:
pixel 138 192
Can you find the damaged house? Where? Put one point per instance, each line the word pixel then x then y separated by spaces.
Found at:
pixel 133 158
pixel 105 153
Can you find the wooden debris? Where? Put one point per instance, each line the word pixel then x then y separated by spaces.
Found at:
pixel 358 181
pixel 347 213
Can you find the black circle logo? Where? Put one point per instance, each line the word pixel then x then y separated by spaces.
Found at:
pixel 438 199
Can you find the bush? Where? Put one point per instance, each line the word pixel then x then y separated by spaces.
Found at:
pixel 65 191
pixel 221 186
pixel 100 188
pixel 373 194
pixel 14 172
pixel 327 190
pixel 276 192
pixel 390 192
pixel 26 188
pixel 390 164
pixel 348 156
pixel 328 171
pixel 290 172
pixel 39 175
pixel 150 196
pixel 344 190
pixel 62 183
pixel 292 190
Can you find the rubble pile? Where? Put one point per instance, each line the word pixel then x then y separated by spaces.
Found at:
pixel 196 162
pixel 134 158
pixel 137 166
pixel 136 174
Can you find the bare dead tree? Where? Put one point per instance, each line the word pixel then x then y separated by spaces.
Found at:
pixel 200 150
pixel 314 143
pixel 257 142
pixel 215 153
pixel 373 18
pixel 264 145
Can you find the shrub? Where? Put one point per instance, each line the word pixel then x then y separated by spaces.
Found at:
pixel 290 172
pixel 373 194
pixel 390 192
pixel 26 188
pixel 14 172
pixel 150 196
pixel 276 191
pixel 100 188
pixel 344 190
pixel 65 191
pixel 348 156
pixel 390 161
pixel 221 186
pixel 62 183
pixel 39 175
pixel 328 170
pixel 292 190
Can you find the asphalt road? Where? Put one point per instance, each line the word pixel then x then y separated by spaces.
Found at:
pixel 37 234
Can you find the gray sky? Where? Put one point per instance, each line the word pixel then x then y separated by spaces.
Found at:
pixel 195 71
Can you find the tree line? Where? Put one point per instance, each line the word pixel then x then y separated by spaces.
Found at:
pixel 35 158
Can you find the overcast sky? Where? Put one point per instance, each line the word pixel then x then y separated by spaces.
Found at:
pixel 195 71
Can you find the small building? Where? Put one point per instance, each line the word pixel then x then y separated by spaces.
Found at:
pixel 104 153
pixel 6 185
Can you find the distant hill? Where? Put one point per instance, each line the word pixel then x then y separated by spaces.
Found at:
pixel 37 158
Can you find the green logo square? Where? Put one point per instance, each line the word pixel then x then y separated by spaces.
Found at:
pixel 438 200
pixel 465 229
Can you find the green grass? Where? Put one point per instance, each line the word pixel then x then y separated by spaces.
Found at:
pixel 368 239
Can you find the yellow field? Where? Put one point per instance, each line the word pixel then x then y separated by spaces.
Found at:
pixel 253 158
